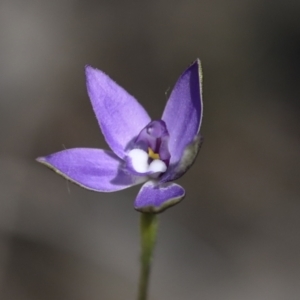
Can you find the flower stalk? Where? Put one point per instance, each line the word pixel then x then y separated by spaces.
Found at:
pixel 148 231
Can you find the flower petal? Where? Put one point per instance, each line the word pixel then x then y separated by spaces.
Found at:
pixel 119 115
pixel 155 197
pixel 93 169
pixel 183 112
pixel 188 157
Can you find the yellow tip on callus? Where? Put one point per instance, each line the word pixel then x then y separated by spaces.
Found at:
pixel 152 154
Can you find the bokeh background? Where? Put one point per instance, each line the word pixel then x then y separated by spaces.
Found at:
pixel 236 235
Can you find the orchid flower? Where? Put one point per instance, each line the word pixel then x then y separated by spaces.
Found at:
pixel 153 152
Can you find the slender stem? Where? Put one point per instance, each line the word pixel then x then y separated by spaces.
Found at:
pixel 148 227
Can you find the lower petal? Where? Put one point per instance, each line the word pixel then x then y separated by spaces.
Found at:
pixel 155 197
pixel 93 169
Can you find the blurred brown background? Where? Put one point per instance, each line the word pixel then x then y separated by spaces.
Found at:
pixel 236 235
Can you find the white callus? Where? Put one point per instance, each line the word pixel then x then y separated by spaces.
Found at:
pixel 139 162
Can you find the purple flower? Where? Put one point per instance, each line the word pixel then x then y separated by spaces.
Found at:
pixel 143 151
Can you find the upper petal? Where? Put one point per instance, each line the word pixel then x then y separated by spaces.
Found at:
pixel 183 111
pixel 155 197
pixel 93 169
pixel 119 115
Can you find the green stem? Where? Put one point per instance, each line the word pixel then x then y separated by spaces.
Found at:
pixel 148 227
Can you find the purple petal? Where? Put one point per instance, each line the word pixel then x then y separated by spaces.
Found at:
pixel 188 157
pixel 93 169
pixel 156 197
pixel 183 112
pixel 119 115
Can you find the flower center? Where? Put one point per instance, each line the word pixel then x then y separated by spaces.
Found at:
pixel 150 151
pixel 152 154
